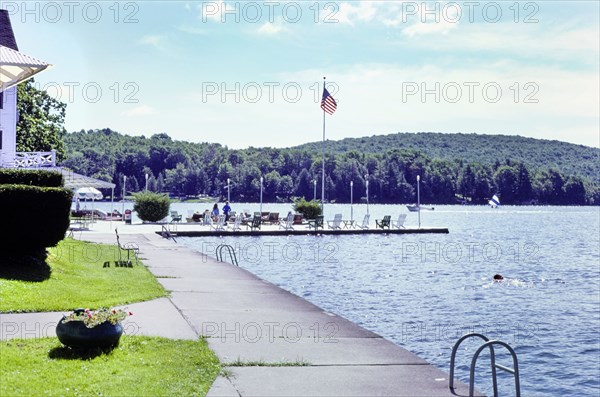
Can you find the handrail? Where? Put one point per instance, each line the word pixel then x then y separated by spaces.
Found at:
pixel 455 349
pixel 514 370
pixel 230 251
pixel 166 233
pixel 488 344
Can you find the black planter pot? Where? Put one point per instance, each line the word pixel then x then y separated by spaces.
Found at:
pixel 76 334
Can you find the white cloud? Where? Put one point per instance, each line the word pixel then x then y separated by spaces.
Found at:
pixel 142 110
pixel 347 13
pixel 156 41
pixel 269 28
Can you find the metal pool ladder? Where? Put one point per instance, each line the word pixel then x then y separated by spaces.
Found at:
pixel 166 233
pixel 230 251
pixel 488 344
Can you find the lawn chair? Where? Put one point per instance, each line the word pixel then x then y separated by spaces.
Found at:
pixel 399 224
pixel 273 218
pixel 129 248
pixel 316 223
pixel 264 216
pixel 219 224
pixel 365 223
pixel 237 223
pixel 175 217
pixel 207 220
pixel 298 219
pixel 256 222
pixel 336 223
pixel 383 223
pixel 287 224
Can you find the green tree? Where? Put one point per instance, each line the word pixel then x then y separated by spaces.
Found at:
pixel 525 190
pixel 575 191
pixel 41 121
pixel 507 183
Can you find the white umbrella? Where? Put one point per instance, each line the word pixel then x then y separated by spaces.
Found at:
pixel 89 193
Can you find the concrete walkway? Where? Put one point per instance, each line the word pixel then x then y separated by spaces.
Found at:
pixel 273 343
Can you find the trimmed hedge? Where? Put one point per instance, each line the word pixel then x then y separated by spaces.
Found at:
pixel 34 217
pixel 42 178
pixel 151 207
pixel 309 209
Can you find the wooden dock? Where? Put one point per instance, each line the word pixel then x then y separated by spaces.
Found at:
pixel 297 232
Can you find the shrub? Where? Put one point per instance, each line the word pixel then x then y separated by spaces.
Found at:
pixel 34 217
pixel 151 207
pixel 309 209
pixel 42 178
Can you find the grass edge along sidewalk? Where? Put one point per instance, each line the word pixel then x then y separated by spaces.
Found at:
pixel 78 280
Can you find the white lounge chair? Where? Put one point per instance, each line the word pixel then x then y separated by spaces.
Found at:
pixel 365 223
pixel 207 220
pixel 336 223
pixel 399 224
pixel 237 223
pixel 287 224
pixel 219 224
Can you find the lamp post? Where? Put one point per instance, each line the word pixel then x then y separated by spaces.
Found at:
pixel 147 182
pixel 228 194
pixel 351 201
pixel 367 186
pixel 419 199
pixel 124 184
pixel 315 192
pixel 261 190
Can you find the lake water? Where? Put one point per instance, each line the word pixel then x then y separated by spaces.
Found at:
pixel 425 291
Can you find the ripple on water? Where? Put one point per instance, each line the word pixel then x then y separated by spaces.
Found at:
pixel 548 310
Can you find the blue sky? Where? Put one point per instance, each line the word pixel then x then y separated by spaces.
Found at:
pixel 250 73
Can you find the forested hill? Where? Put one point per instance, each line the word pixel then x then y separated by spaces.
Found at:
pixel 566 157
pixel 452 168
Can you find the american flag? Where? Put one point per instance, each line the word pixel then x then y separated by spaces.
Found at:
pixel 328 104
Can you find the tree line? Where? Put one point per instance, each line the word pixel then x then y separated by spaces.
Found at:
pixel 191 169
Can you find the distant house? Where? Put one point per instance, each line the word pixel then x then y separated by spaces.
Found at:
pixel 15 67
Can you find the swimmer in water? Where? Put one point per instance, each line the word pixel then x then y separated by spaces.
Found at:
pixel 498 277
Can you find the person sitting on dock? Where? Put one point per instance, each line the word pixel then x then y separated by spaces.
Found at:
pixel 215 212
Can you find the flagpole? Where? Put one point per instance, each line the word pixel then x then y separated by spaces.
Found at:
pixel 323 170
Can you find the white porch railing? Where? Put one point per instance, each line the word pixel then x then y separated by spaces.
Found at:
pixel 35 159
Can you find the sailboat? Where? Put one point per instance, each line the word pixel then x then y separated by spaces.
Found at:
pixel 494 202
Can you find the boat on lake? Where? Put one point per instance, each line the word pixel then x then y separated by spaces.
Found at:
pixel 494 202
pixel 415 208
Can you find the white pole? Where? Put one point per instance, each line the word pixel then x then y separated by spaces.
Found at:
pixel 124 184
pixel 419 199
pixel 315 192
pixel 367 183
pixel 323 170
pixel 351 201
pixel 146 182
pixel 261 190
pixel 228 195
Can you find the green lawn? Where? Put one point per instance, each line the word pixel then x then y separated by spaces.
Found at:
pixel 140 366
pixel 78 279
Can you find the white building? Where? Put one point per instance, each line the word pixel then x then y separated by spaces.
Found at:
pixel 15 68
